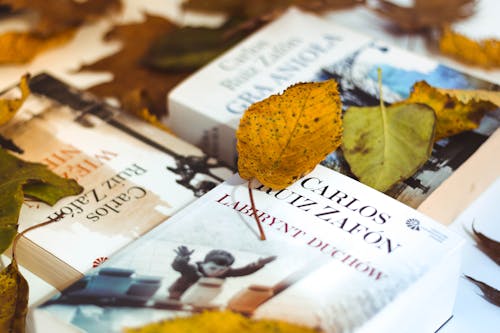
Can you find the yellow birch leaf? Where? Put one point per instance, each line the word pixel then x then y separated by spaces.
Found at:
pixel 21 47
pixel 220 322
pixel 9 107
pixel 285 136
pixel 453 115
pixel 484 53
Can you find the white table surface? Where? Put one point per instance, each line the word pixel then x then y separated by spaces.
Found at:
pixel 472 313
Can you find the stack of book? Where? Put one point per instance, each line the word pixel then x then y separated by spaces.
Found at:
pixel 340 256
pixel 300 47
pixel 134 177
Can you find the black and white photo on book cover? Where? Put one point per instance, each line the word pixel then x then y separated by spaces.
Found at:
pixel 332 268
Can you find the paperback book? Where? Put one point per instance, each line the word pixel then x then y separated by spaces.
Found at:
pixel 339 257
pixel 301 47
pixel 134 177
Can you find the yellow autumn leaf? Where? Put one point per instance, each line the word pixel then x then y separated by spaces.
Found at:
pixel 13 299
pixel 21 47
pixel 220 322
pixel 9 107
pixel 285 136
pixel 466 96
pixel 485 53
pixel 138 103
pixel 454 115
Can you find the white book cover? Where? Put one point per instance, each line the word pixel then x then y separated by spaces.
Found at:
pixel 131 183
pixel 339 256
pixel 299 47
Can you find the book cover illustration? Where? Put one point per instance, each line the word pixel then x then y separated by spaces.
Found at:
pixel 312 270
pixel 131 182
pixel 358 85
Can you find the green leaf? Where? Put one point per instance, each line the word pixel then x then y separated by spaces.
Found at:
pixel 18 177
pixel 386 145
pixel 13 300
pixel 190 48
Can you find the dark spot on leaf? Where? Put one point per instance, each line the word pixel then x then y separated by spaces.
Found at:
pixel 450 104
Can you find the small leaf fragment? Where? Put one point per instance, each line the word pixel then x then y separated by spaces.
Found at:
pixel 490 294
pixel 468 96
pixel 17 176
pixel 453 115
pixel 285 136
pixel 13 300
pixel 489 246
pixel 22 47
pixel 484 53
pixel 9 107
pixel 384 149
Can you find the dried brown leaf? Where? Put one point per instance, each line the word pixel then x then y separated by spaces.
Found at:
pixel 256 8
pixel 56 16
pixel 136 86
pixel 425 13
pixel 490 294
pixel 489 246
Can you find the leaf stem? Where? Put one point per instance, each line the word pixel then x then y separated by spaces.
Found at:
pixel 254 211
pixel 382 109
pixel 36 226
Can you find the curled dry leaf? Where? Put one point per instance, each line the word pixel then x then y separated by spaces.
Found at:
pixel 491 294
pixel 285 136
pixel 13 299
pixel 489 246
pixel 467 96
pixel 484 53
pixel 453 115
pixel 220 322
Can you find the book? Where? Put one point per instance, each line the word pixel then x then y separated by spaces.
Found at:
pixel 134 177
pixel 339 256
pixel 300 47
